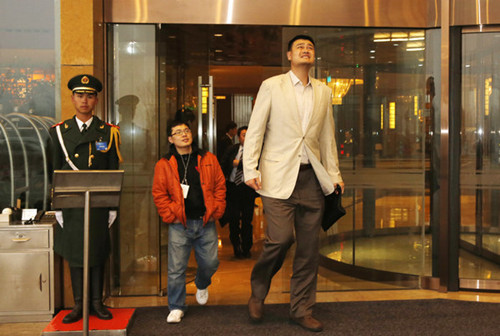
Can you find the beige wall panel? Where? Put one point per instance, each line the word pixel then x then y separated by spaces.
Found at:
pixel 77 38
pixel 81 47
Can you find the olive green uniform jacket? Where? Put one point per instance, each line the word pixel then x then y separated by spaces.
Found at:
pixel 68 240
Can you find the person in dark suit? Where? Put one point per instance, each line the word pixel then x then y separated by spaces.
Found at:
pixel 240 199
pixel 85 142
pixel 227 140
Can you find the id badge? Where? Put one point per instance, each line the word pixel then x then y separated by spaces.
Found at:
pixel 101 145
pixel 185 190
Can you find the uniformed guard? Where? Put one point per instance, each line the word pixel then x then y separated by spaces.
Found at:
pixel 81 143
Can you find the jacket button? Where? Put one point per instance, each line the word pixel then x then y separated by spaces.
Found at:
pixel 77 155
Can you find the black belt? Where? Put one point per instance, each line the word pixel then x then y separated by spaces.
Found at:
pixel 305 167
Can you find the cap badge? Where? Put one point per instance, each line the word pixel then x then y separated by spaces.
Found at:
pixel 85 80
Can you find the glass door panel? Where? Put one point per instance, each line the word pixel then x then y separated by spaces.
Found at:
pixel 225 59
pixel 380 120
pixel 183 54
pixel 378 83
pixel 133 106
pixel 480 158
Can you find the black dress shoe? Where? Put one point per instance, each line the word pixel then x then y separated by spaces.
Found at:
pixel 255 309
pixel 98 309
pixel 308 322
pixel 247 255
pixel 75 315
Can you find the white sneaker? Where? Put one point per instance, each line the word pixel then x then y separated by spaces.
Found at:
pixel 175 316
pixel 201 296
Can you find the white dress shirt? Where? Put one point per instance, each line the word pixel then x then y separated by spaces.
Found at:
pixel 304 97
pixel 237 157
pixel 80 123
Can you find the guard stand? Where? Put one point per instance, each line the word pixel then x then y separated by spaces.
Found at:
pixel 73 189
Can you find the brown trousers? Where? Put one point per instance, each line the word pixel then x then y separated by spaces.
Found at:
pixel 297 218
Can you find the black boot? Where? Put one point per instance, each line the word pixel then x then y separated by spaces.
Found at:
pixel 96 306
pixel 77 284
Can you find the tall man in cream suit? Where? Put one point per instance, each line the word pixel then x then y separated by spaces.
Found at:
pixel 290 159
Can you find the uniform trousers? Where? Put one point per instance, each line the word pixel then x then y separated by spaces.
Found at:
pixel 297 218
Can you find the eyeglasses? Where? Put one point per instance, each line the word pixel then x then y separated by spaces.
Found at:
pixel 180 132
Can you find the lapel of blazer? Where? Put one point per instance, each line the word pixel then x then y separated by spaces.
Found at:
pixel 291 100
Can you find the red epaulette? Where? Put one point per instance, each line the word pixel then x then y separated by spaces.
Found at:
pixel 112 125
pixel 62 122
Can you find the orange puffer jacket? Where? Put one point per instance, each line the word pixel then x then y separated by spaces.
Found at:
pixel 167 191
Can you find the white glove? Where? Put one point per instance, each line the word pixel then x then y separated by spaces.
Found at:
pixel 59 218
pixel 111 217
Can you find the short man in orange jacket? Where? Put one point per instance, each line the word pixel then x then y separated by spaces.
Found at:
pixel 189 190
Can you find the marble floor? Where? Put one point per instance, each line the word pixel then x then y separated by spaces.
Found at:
pixel 231 286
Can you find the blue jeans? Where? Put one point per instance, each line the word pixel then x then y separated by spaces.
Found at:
pixel 181 239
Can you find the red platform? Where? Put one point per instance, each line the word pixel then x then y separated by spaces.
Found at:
pixel 116 326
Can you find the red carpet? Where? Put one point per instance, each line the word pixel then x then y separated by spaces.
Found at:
pixel 120 321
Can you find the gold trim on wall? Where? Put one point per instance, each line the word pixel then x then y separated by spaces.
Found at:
pixel 360 13
pixel 339 13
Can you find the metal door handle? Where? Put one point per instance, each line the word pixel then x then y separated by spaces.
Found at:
pixel 20 238
pixel 41 282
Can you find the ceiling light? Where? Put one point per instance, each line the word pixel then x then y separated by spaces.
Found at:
pixel 417 35
pixel 381 37
pixel 399 36
pixel 132 48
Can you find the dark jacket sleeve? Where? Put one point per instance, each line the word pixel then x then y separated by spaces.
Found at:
pixel 227 160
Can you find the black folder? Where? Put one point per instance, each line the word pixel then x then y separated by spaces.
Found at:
pixel 333 208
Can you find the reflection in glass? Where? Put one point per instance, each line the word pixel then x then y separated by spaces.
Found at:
pixel 27 92
pixel 27 57
pixel 25 158
pixel 135 260
pixel 378 87
pixel 480 157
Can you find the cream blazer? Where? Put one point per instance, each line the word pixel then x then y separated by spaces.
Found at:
pixel 273 143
